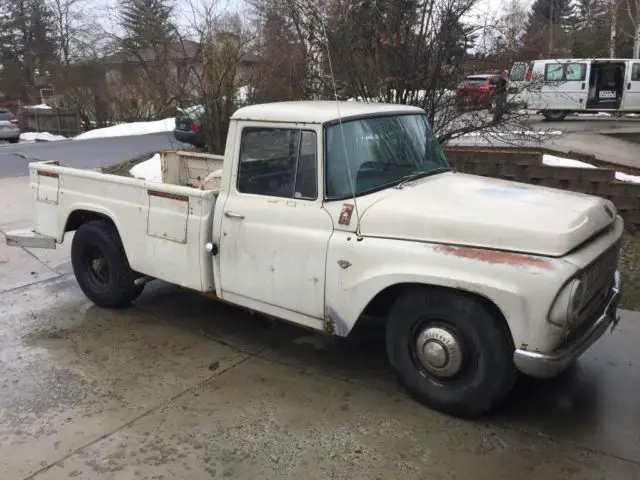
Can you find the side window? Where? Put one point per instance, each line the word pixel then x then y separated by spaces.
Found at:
pixel 306 174
pixel 553 72
pixel 635 72
pixel 278 162
pixel 576 72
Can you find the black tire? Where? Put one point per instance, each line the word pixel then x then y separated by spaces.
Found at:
pixel 554 115
pixel 97 245
pixel 486 373
pixel 14 140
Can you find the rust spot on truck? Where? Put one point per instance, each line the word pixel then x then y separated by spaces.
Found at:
pixel 496 256
pixel 47 174
pixel 334 324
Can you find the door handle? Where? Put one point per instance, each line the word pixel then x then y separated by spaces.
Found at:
pixel 629 86
pixel 234 215
pixel 582 85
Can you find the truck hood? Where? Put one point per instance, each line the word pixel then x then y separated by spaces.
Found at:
pixel 461 209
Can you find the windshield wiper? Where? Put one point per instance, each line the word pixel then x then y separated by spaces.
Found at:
pixel 417 175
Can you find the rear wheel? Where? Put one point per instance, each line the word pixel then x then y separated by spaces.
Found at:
pixel 101 266
pixel 554 115
pixel 450 351
pixel 14 140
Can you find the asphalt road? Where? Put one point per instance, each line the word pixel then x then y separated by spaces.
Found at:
pixel 91 153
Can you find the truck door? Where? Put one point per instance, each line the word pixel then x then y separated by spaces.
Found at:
pixel 631 95
pixel 565 86
pixel 274 232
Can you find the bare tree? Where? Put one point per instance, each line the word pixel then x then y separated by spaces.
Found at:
pixel 404 52
pixel 223 42
pixel 633 10
pixel 72 27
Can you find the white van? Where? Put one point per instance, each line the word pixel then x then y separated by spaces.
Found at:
pixel 559 87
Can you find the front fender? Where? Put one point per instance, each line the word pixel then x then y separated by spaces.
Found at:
pixel 522 287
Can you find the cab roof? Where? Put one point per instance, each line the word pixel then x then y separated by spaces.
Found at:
pixel 318 111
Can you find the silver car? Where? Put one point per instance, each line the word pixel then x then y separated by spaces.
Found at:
pixel 9 129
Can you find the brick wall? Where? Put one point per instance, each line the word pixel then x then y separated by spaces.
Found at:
pixel 525 165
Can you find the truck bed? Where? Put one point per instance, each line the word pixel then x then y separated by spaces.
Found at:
pixel 163 226
pixel 191 169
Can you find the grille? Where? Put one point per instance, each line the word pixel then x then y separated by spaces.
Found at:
pixel 598 279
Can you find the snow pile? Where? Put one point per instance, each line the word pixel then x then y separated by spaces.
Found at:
pixel 505 134
pixel 149 170
pixel 418 95
pixel 126 129
pixel 596 114
pixel 40 106
pixel 553 161
pixel 40 137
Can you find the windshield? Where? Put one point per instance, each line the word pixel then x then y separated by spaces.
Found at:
pixel 379 152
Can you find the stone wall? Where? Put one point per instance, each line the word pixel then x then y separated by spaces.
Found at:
pixel 525 165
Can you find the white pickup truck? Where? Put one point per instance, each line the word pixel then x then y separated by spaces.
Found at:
pixel 325 214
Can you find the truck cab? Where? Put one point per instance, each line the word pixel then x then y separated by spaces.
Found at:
pixel 328 213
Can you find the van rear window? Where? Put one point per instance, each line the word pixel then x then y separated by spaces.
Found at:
pixel 518 71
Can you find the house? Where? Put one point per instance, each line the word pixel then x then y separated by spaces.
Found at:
pixel 151 82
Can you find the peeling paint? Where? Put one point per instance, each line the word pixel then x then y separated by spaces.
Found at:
pixel 496 256
pixel 334 324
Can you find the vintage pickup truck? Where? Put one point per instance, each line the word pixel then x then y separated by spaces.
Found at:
pixel 326 214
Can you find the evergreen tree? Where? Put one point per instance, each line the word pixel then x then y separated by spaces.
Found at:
pixel 554 12
pixel 27 42
pixel 146 23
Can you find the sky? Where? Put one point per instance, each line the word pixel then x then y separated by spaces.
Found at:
pixel 104 10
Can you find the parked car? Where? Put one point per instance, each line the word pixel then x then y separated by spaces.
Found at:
pixel 476 91
pixel 189 127
pixel 469 292
pixel 9 128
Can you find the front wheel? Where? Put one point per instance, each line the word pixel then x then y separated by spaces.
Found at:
pixel 554 115
pixel 101 267
pixel 450 350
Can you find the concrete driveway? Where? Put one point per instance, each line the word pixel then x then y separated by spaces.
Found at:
pixel 181 386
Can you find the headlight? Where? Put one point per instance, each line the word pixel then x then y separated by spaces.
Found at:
pixel 568 304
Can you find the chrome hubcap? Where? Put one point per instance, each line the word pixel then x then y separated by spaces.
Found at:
pixel 439 351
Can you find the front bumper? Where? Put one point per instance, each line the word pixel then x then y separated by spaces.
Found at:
pixel 547 365
pixel 29 239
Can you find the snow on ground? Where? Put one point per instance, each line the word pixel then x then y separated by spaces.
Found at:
pixel 528 133
pixel 553 161
pixel 40 106
pixel 135 128
pixel 40 136
pixel 150 170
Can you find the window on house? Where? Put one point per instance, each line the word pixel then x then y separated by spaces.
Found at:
pixel 278 162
